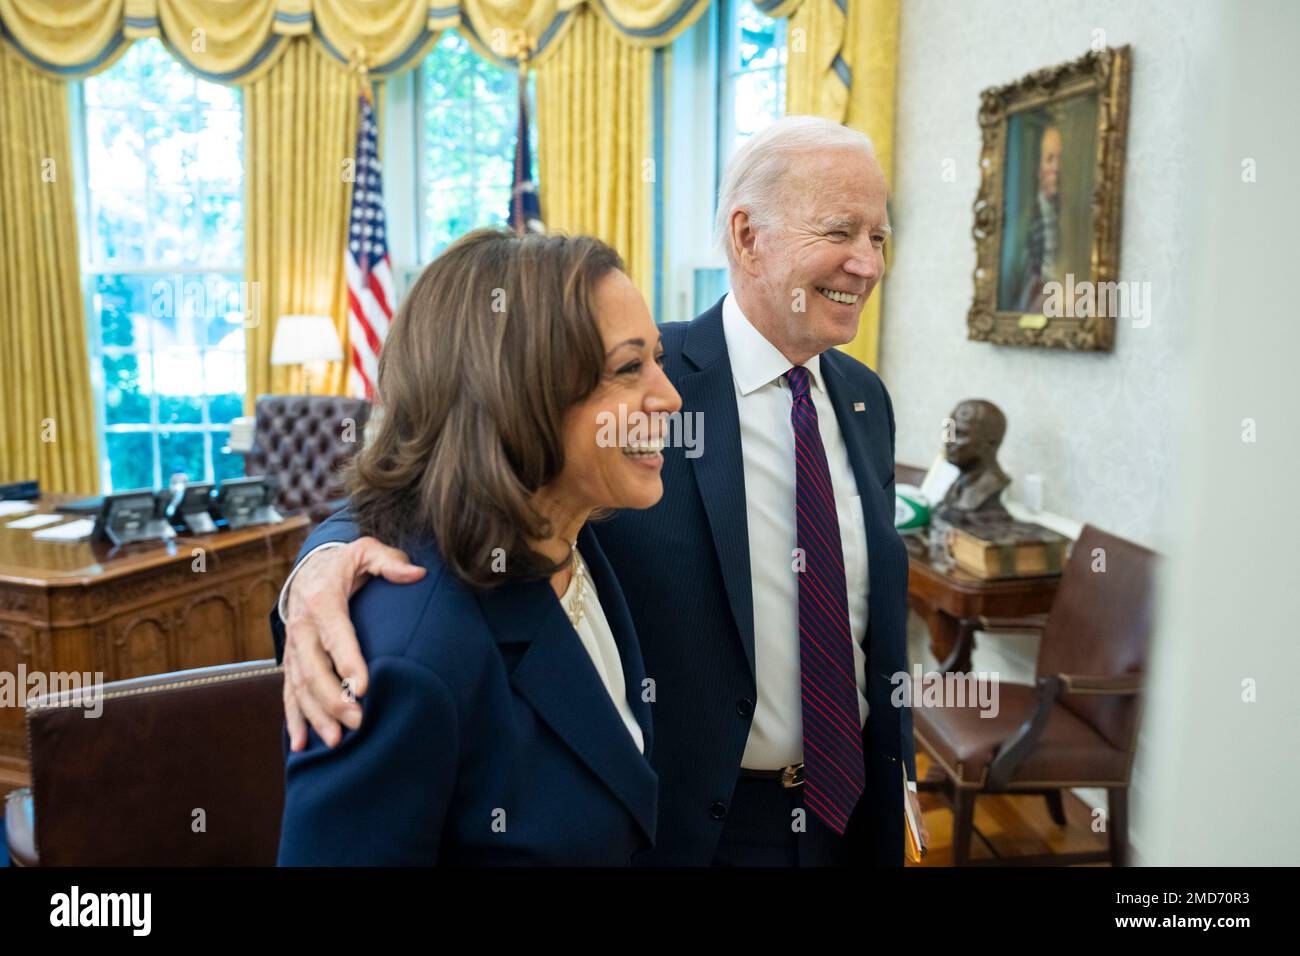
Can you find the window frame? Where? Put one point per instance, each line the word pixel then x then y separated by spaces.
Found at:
pixel 90 273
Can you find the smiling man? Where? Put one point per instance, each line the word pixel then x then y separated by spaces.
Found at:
pixel 768 586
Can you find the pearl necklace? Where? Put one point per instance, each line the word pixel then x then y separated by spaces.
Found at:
pixel 576 607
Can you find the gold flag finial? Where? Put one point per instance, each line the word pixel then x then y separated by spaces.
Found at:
pixel 359 64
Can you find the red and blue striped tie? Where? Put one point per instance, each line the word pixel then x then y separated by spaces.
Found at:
pixel 832 732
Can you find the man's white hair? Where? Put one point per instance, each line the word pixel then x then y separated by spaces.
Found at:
pixel 753 178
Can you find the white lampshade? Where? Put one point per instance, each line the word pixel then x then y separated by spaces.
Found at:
pixel 300 339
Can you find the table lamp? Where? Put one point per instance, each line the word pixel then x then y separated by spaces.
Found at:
pixel 307 340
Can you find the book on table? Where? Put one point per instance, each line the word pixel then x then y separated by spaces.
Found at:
pixel 1008 549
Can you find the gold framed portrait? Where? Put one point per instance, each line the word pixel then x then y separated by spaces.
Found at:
pixel 1047 216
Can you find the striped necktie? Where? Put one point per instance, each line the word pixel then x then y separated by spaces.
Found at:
pixel 832 731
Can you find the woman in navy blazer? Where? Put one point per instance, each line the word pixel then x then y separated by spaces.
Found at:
pixel 505 718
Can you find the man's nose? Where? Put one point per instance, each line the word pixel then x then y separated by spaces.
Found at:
pixel 866 264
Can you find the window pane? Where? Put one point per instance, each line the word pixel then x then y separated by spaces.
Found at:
pixel 122 306
pixel 181 452
pixel 223 376
pixel 118 228
pixel 175 227
pixel 131 455
pixel 228 465
pixel 172 149
pixel 759 100
pixel 127 389
pixel 758 37
pixel 221 228
pixel 470 111
pixel 220 144
pixel 114 150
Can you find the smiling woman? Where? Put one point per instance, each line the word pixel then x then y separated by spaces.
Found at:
pixel 496 374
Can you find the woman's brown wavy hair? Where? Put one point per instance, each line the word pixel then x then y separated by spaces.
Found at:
pixel 496 340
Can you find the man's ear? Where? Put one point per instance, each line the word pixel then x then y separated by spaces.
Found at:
pixel 743 238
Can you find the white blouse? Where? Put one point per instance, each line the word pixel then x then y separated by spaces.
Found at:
pixel 593 629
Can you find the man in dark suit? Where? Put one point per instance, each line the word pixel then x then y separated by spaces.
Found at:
pixel 768 587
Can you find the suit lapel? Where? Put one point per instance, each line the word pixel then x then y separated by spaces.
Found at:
pixel 620 624
pixel 851 426
pixel 556 677
pixel 719 470
pixel 882 539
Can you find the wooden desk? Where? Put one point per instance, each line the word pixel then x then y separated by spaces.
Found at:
pixel 951 603
pixel 78 608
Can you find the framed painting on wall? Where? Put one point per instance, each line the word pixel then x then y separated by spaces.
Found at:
pixel 1047 216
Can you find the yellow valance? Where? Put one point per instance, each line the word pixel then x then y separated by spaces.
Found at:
pixel 236 41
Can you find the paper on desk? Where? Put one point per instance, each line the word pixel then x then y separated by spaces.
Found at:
pixel 35 521
pixel 72 531
pixel 15 508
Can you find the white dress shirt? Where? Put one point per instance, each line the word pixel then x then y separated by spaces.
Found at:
pixel 596 636
pixel 767 448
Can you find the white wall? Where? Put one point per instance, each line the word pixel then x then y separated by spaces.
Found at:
pixel 1097 427
pixel 1224 712
pixel 1145 442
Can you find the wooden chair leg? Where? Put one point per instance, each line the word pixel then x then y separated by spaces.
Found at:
pixel 1117 801
pixel 1055 807
pixel 963 825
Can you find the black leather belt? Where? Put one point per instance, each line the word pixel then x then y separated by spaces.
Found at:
pixel 791 776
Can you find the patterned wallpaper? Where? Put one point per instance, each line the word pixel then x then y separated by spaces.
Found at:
pixel 1098 427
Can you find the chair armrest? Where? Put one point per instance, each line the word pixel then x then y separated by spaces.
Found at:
pixel 20 830
pixel 1029 624
pixel 1119 685
pixel 1019 745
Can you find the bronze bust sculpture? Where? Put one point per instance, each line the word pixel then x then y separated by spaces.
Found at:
pixel 974 497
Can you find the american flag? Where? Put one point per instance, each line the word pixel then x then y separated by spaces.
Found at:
pixel 369 271
pixel 525 204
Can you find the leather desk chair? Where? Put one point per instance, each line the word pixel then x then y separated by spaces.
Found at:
pixel 1078 726
pixel 304 441
pixel 123 788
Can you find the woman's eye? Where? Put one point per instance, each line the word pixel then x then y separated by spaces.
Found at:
pixel 631 368
pixel 660 359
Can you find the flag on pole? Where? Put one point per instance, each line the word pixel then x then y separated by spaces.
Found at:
pixel 369 270
pixel 525 205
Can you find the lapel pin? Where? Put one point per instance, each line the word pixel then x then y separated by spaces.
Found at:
pixel 859 406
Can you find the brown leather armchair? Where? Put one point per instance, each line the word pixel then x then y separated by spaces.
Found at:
pixel 304 441
pixel 126 788
pixel 1078 726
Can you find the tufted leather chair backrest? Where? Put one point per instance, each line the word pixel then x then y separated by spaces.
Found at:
pixel 304 441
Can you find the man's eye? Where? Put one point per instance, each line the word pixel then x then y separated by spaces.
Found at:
pixel 840 233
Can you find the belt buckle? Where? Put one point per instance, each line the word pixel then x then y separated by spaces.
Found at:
pixel 792 776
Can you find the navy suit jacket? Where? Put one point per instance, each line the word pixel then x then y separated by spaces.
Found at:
pixel 684 567
pixel 487 736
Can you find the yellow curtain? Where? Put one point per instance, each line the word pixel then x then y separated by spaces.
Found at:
pixel 595 152
pixel 47 422
pixel 842 65
pixel 237 41
pixel 300 123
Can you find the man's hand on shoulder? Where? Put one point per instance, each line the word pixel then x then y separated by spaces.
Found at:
pixel 324 671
